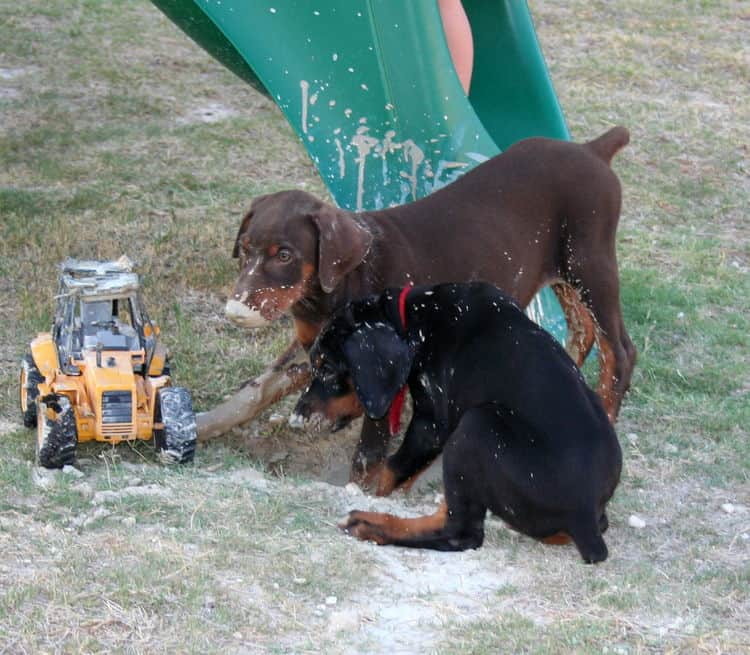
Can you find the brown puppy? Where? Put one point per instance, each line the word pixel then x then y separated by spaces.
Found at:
pixel 543 212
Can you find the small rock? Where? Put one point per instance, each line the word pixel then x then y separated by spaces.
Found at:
pixel 670 448
pixel 296 421
pixel 276 418
pixel 72 471
pixel 45 478
pixel 129 521
pixel 632 437
pixel 135 468
pixel 343 621
pixel 237 635
pixel 134 482
pixel 352 488
pixel 145 490
pixel 636 522
pixel 250 477
pixel 728 508
pixel 300 581
pixel 100 513
pixel 78 521
pixel 83 488
pixel 192 550
pixel 107 496
pixel 331 600
pixel 278 457
pixel 51 532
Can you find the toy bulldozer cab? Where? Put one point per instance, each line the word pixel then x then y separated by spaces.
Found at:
pixel 101 374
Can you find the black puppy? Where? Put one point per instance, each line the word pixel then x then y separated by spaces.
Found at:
pixel 521 433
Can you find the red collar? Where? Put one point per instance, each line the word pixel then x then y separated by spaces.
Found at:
pixel 402 304
pixel 397 406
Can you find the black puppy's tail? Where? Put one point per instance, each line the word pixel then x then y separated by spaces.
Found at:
pixel 608 144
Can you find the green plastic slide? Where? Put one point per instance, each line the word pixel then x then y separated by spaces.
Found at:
pixel 369 87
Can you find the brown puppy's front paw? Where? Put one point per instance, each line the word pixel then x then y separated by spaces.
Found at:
pixel 366 477
pixel 386 481
pixel 357 526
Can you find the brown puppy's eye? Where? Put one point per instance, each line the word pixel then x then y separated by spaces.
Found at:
pixel 284 256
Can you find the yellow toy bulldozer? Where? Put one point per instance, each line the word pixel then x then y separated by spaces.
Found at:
pixel 101 374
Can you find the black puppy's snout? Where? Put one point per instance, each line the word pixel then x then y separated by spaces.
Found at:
pixel 309 412
pixel 302 411
pixel 303 408
pixel 310 403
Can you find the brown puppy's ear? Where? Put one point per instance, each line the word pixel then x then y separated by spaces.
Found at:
pixel 342 245
pixel 240 232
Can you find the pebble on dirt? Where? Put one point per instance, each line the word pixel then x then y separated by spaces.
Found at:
pixel 636 522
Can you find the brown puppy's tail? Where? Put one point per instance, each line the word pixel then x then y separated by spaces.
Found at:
pixel 608 144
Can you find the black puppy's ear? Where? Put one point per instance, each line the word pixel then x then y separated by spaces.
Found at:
pixel 342 245
pixel 379 363
pixel 240 232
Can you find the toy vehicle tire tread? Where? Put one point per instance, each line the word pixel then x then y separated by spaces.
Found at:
pixel 56 438
pixel 175 442
pixel 31 379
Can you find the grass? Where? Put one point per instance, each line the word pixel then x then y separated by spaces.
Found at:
pixel 102 150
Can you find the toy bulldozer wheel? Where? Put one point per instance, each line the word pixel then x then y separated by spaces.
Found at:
pixel 175 435
pixel 28 389
pixel 56 435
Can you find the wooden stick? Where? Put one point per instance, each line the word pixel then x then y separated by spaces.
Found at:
pixel 289 373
